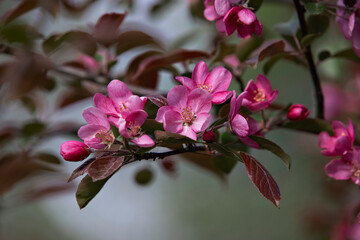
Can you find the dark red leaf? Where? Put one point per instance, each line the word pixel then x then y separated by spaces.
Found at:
pixel 82 169
pixel 262 179
pixel 24 7
pixel 106 30
pixel 158 100
pixel 268 49
pixel 133 39
pixel 76 6
pixel 104 167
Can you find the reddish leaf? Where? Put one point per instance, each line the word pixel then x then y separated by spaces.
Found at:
pixel 24 7
pixel 106 30
pixel 76 6
pixel 48 190
pixel 268 49
pixel 73 95
pixel 133 39
pixel 158 100
pixel 82 169
pixel 262 179
pixel 104 167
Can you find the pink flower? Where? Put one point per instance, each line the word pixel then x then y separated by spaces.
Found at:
pixel 260 94
pixel 216 10
pixel 297 112
pixel 121 102
pixel 187 112
pixel 243 20
pixel 132 129
pixel 215 82
pixel 97 64
pixel 349 22
pixel 74 151
pixel 347 167
pixel 241 126
pixel 341 142
pixel 97 133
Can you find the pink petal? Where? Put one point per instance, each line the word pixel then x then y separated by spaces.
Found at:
pixel 239 101
pixel 178 96
pixel 355 40
pixel 339 169
pixel 342 144
pixel 161 112
pixel 200 73
pixel 95 143
pixel 263 82
pixel 230 20
pixel 240 126
pixel 118 91
pixel 232 60
pixel 220 25
pixel 200 101
pixel 246 16
pixel 221 97
pixel 351 23
pixel 188 132
pixel 249 142
pixel 116 120
pixel 133 103
pixel 244 31
pixel 187 82
pixel 95 116
pixel 104 104
pixel 219 79
pixel 253 125
pixel 258 27
pixel 232 111
pixel 136 118
pixel 201 122
pixel 222 6
pixel 325 141
pixel 143 141
pixel 344 27
pixel 273 96
pixel 88 131
pixel 210 13
pixel 173 121
pixel 351 130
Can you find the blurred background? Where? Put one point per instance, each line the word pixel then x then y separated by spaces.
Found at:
pixel 190 203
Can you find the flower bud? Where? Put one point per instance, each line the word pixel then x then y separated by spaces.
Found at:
pixel 297 112
pixel 209 136
pixel 74 151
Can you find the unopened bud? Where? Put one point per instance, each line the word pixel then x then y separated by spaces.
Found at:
pixel 209 136
pixel 297 112
pixel 74 151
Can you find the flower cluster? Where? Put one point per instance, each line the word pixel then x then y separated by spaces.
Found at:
pixel 231 16
pixel 187 111
pixel 341 145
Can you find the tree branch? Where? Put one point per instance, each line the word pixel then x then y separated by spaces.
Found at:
pixel 309 57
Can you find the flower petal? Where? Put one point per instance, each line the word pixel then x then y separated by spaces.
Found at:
pixel 230 20
pixel 136 118
pixel 104 104
pixel 246 16
pixel 258 27
pixel 222 6
pixel 200 73
pixel 95 116
pixel 187 82
pixel 221 97
pixel 178 96
pixel 263 82
pixel 161 112
pixel 244 31
pixel 220 25
pixel 143 141
pixel 89 131
pixel 201 122
pixel 118 91
pixel 173 121
pixel 200 101
pixel 240 126
pixel 219 79
pixel 188 132
pixel 210 13
pixel 339 169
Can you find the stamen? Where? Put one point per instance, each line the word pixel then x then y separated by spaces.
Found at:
pixel 260 95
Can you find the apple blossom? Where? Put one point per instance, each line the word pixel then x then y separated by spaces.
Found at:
pixel 97 133
pixel 74 151
pixel 216 10
pixel 215 82
pixel 187 112
pixel 341 142
pixel 260 94
pixel 243 20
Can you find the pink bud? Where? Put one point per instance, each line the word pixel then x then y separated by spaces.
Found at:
pixel 209 137
pixel 297 112
pixel 74 151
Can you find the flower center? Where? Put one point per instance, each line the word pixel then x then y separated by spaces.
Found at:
pixel 259 95
pixel 187 116
pixel 356 174
pixel 205 87
pixel 134 129
pixel 122 106
pixel 106 137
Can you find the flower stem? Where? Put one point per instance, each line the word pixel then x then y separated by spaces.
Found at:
pixel 309 57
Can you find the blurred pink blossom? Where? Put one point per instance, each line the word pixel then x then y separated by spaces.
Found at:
pixel 74 151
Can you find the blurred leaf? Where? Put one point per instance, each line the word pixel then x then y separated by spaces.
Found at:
pixel 169 166
pixel 158 100
pixel 224 111
pixel 170 137
pixel 104 167
pixel 24 7
pixel 88 189
pixel 144 176
pixel 132 39
pixel 32 129
pixel 324 55
pixel 308 39
pixel 47 157
pixel 72 95
pixel 348 54
pixel 224 163
pixel 76 5
pixel 289 28
pixel 19 33
pixel 29 104
pixel 317 24
pixel 282 56
pixel 312 125
pixel 246 46
pixel 226 151
pixel 150 126
pixel 47 190
pixel 255 4
pixel 274 148
pixel 106 30
pixel 160 6
pixel 267 50
pixel 262 179
pixel 315 7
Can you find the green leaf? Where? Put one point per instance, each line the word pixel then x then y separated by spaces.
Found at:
pixel 348 54
pixel 88 189
pixel 224 163
pixel 308 39
pixel 324 55
pixel 144 176
pixel 33 128
pixel 255 4
pixel 312 125
pixel 150 126
pixel 47 157
pixel 170 137
pixel 315 7
pixel 226 151
pixel 115 130
pixel 317 23
pixel 274 148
